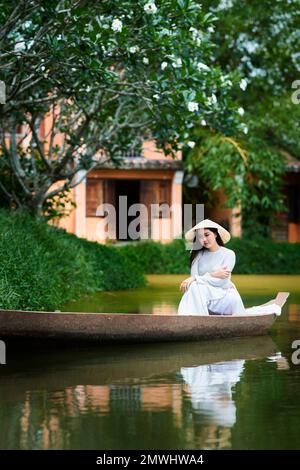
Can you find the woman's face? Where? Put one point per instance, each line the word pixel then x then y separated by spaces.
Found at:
pixel 207 238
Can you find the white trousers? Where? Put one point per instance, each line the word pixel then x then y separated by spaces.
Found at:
pixel 203 299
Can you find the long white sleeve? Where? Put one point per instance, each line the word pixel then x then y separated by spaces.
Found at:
pixel 228 260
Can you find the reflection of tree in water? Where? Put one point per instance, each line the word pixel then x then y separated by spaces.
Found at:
pixel 212 410
pixel 91 417
pixel 268 416
pixel 35 422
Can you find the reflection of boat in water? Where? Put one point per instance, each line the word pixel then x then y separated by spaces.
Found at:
pixel 137 328
pixel 67 368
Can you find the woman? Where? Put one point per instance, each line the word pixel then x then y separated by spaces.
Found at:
pixel 209 289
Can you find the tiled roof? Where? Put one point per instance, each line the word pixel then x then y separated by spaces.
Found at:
pixel 141 163
pixel 292 164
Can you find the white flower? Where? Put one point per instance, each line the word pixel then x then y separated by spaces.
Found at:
pixel 165 32
pixel 245 129
pixel 133 49
pixel 195 32
pixel 191 144
pixel 164 65
pixel 20 46
pixel 241 111
pixel 150 8
pixel 212 99
pixel 243 84
pixel 196 35
pixel 193 106
pixel 177 63
pixel 211 29
pixel 201 66
pixel 145 60
pixel 88 27
pixel 203 122
pixel 117 25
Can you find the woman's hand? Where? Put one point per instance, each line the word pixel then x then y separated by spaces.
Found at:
pixel 221 273
pixel 186 283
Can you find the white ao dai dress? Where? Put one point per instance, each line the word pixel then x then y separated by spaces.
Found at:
pixel 208 294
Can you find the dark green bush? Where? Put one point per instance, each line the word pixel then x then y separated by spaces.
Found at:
pixel 157 258
pixel 264 256
pixel 257 256
pixel 42 267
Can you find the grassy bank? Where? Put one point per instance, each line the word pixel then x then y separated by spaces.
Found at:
pixel 42 267
pixel 259 256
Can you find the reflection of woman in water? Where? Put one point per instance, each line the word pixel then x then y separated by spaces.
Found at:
pixel 210 389
pixel 209 288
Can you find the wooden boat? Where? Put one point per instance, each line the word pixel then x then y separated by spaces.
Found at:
pixel 103 328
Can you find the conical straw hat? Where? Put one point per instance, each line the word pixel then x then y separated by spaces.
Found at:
pixel 207 223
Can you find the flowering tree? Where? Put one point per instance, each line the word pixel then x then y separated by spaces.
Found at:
pixel 260 39
pixel 109 74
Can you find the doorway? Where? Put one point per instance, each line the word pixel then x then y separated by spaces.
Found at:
pixel 131 190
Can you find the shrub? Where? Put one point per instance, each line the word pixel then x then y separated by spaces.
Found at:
pixel 255 256
pixel 42 267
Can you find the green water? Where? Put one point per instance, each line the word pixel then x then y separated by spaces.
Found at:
pixel 225 394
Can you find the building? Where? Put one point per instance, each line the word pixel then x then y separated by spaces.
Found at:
pixel 148 179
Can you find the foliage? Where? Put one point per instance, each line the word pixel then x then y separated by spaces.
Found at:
pixel 259 39
pixel 252 178
pixel 157 258
pixel 59 206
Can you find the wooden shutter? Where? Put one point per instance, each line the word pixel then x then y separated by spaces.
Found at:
pixel 94 196
pixel 156 192
pixel 147 197
pixel 164 197
pixel 110 192
pixel 165 192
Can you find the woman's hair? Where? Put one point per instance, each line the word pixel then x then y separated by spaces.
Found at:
pixel 196 243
